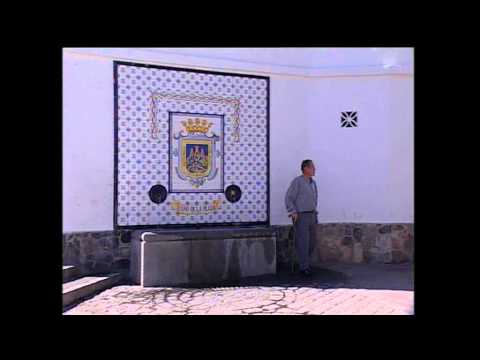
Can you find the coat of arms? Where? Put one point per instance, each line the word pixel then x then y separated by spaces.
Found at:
pixel 195 152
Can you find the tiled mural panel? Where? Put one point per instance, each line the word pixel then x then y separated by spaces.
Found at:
pixel 195 134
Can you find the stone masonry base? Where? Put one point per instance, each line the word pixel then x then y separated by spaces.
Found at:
pixel 352 243
pixel 109 251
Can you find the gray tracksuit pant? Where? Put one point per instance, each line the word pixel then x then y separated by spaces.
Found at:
pixel 303 241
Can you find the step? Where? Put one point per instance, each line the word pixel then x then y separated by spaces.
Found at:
pixel 87 286
pixel 70 272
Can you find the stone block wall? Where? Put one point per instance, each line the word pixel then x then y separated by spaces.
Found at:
pixel 109 251
pixel 97 252
pixel 352 243
pixel 284 235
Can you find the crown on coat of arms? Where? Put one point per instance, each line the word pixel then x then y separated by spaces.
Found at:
pixel 196 125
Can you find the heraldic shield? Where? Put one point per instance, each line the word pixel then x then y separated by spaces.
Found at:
pixel 196 152
pixel 196 157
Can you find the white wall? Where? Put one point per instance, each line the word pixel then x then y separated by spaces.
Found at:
pixel 365 174
pixel 87 143
pixel 289 140
pixel 399 182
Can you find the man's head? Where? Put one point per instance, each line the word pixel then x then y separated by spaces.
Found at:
pixel 308 168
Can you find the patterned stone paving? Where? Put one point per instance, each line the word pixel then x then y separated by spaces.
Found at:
pixel 327 293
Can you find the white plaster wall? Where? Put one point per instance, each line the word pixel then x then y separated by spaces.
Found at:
pixel 289 139
pixel 399 182
pixel 87 143
pixel 364 174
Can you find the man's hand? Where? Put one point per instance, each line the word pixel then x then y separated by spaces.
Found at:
pixel 294 217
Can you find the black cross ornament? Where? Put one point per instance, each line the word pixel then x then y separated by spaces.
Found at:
pixel 349 119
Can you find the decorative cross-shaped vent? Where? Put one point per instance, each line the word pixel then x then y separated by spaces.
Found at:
pixel 349 119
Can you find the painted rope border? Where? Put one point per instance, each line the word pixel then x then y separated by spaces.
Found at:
pixel 155 95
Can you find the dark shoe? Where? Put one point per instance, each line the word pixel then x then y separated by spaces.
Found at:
pixel 306 272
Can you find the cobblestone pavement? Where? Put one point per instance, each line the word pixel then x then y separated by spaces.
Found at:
pixel 337 290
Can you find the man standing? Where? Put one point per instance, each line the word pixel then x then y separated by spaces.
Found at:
pixel 301 203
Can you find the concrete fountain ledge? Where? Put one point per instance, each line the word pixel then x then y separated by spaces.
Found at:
pixel 190 256
pixel 204 234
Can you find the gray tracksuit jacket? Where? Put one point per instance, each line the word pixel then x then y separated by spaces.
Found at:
pixel 301 195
